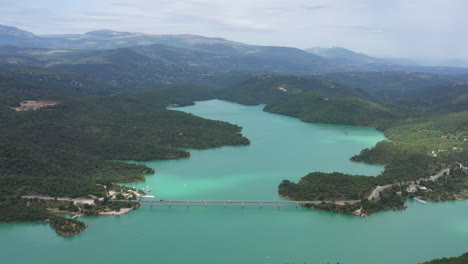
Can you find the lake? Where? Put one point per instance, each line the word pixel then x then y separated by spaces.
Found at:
pixel 281 148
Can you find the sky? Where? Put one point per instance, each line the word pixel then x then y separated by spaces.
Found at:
pixel 416 29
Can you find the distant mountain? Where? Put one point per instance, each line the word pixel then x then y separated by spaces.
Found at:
pixel 444 62
pixel 160 64
pixel 353 62
pixel 344 56
pixel 392 86
pixel 195 54
pixel 108 39
pixel 9 35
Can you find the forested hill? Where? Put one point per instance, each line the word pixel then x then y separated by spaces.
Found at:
pixel 344 56
pixel 164 59
pixel 272 88
pixel 428 132
pixel 64 149
pixel 393 86
pixel 317 108
pixel 444 98
pixel 130 67
pixel 87 107
pixel 314 100
pixel 463 259
pixel 25 83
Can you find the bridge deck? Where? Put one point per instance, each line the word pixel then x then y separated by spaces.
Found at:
pixel 236 202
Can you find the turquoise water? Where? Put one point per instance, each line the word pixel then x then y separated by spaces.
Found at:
pixel 281 148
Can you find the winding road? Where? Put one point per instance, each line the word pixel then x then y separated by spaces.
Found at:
pixel 376 192
pixel 78 200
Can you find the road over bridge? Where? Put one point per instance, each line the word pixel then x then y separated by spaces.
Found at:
pixel 242 203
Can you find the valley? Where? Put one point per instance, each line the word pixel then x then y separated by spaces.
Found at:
pixel 85 117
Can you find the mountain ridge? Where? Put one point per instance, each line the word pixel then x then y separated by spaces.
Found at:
pixel 239 56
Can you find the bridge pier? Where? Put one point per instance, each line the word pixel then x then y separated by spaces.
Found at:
pixel 224 204
pixel 261 204
pixel 242 205
pixel 169 204
pixel 297 205
pixel 279 205
pixel 206 204
pixel 188 204
pixel 151 204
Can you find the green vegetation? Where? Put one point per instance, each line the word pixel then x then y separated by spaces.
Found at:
pixel 428 130
pixel 72 149
pixel 17 209
pixel 451 186
pixel 134 66
pixel 69 147
pixel 335 187
pixel 417 150
pixel 441 133
pixel 445 98
pixel 24 83
pixel 463 259
pixel 45 140
pixel 389 200
pixel 319 186
pixel 421 148
pixel 317 108
pixel 21 210
pixel 65 226
pixel 427 133
pixel 270 89
pixel 391 86
pixel 318 101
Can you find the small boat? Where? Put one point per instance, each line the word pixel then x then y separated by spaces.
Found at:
pixel 419 200
pixel 75 216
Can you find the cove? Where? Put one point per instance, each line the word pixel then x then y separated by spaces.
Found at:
pixel 282 148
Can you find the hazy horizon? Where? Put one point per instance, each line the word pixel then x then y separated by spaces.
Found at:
pixel 422 30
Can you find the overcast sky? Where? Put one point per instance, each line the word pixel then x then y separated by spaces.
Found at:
pixel 432 29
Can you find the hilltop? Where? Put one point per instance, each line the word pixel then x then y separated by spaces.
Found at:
pixel 238 56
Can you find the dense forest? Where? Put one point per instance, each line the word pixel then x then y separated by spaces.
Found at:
pixel 17 209
pixel 463 259
pixel 110 100
pixel 269 89
pixel 115 105
pixel 40 152
pixel 72 148
pixel 427 130
pixel 318 186
pixel 424 136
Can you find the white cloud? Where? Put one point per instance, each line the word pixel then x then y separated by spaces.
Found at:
pixel 416 28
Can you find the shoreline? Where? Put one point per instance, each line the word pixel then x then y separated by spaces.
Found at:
pixel 122 211
pixel 69 226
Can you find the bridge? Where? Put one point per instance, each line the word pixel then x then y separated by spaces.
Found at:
pixel 242 203
pixel 187 203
